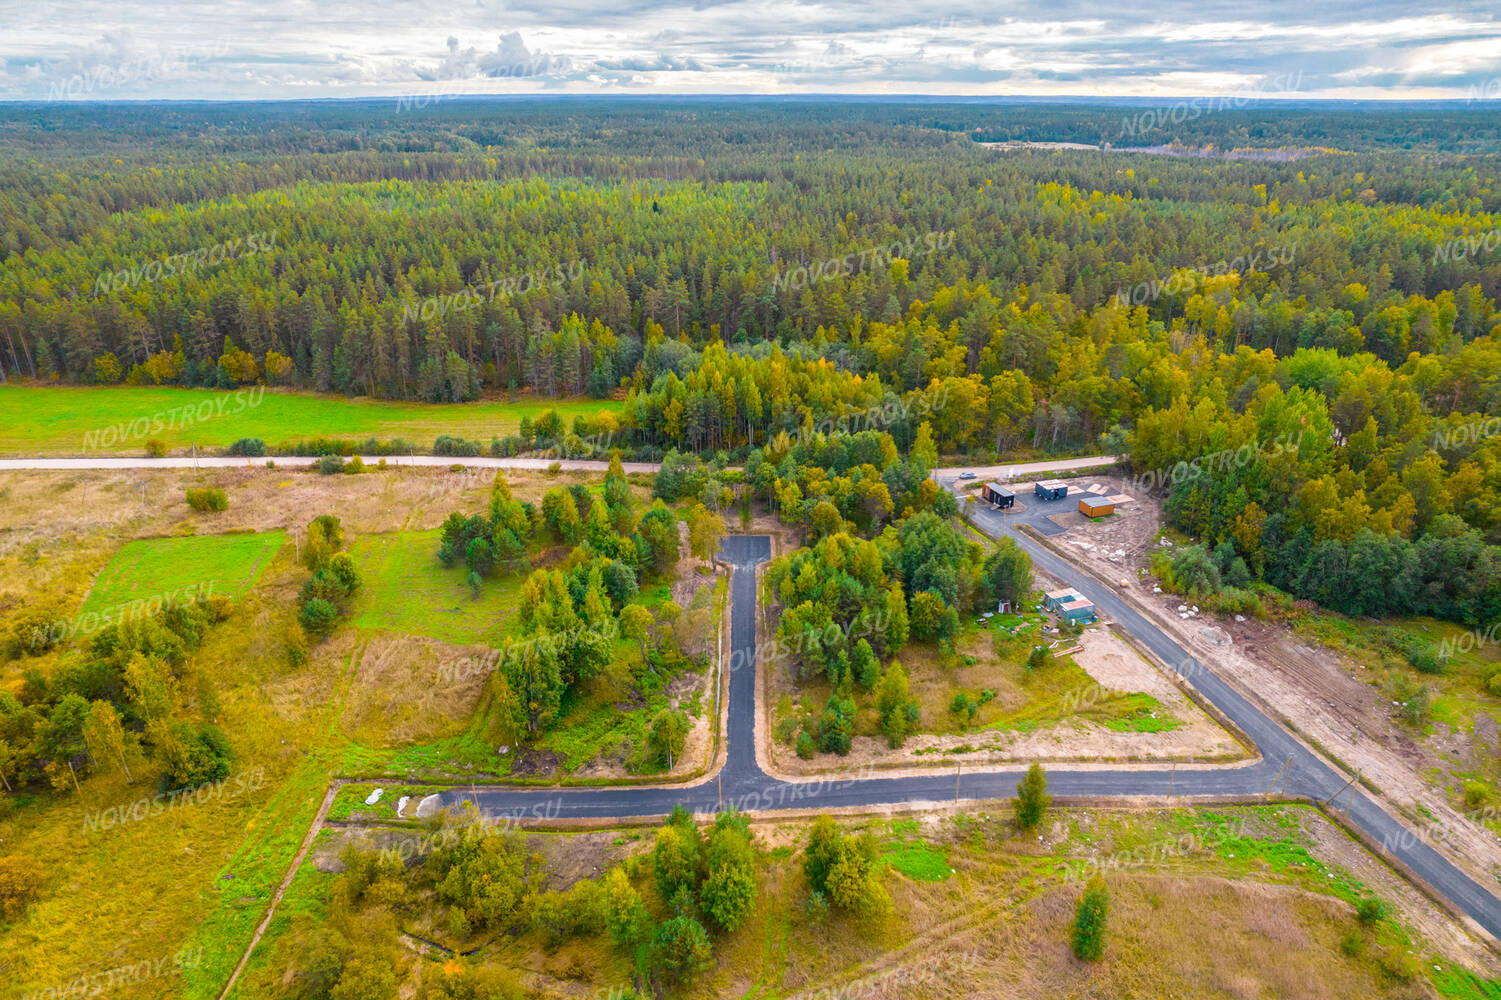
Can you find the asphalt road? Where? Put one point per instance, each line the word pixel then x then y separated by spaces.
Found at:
pixel 1284 760
pixel 478 462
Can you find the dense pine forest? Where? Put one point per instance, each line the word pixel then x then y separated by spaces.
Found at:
pixel 1315 333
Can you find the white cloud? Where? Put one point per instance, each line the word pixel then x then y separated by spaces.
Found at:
pixel 344 48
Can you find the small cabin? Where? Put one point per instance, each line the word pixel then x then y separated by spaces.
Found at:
pixel 1078 612
pixel 1094 505
pixel 995 493
pixel 1051 489
pixel 1054 600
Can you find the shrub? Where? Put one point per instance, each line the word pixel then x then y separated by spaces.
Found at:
pixel 728 892
pixel 208 498
pixel 155 447
pixel 1412 700
pixel 667 736
pixel 355 466
pixel 20 883
pixel 296 645
pixel 328 465
pixel 895 705
pixel 1031 797
pixel 196 756
pixel 1401 964
pixel 845 868
pixel 457 447
pixel 680 949
pixel 836 729
pixel 806 746
pixel 1370 911
pixel 247 448
pixel 318 617
pixel 817 907
pixel 218 607
pixel 343 569
pixel 1089 920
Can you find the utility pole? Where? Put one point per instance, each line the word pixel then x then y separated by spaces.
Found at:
pixel 959 769
pixel 1277 780
pixel 1330 800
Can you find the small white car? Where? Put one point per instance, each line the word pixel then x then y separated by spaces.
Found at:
pixel 966 475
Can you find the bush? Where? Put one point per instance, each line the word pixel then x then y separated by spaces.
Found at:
pixel 355 466
pixel 208 498
pixel 836 729
pixel 1089 921
pixel 318 617
pixel 329 465
pixel 20 883
pixel 247 448
pixel 196 756
pixel 680 949
pixel 847 869
pixel 218 607
pixel 806 746
pixel 155 447
pixel 457 447
pixel 1412 700
pixel 343 569
pixel 1031 797
pixel 1370 911
pixel 296 645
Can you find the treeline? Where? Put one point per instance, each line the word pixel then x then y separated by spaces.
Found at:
pixel 438 277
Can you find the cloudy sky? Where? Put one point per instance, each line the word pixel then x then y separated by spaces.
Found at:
pixel 265 49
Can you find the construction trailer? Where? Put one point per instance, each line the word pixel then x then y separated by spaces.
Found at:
pixel 1094 505
pixel 998 495
pixel 1051 489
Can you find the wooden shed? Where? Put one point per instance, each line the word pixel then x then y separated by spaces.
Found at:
pixel 997 494
pixel 1094 505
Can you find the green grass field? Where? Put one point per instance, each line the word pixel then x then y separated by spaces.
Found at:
pixel 151 567
pixel 407 590
pixel 67 420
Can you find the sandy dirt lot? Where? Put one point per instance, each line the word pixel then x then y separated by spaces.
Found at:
pixel 1324 696
pixel 1114 667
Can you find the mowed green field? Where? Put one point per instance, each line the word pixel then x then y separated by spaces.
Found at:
pixel 69 420
pixel 407 590
pixel 207 564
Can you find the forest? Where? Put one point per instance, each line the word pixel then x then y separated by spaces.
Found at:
pixel 744 275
